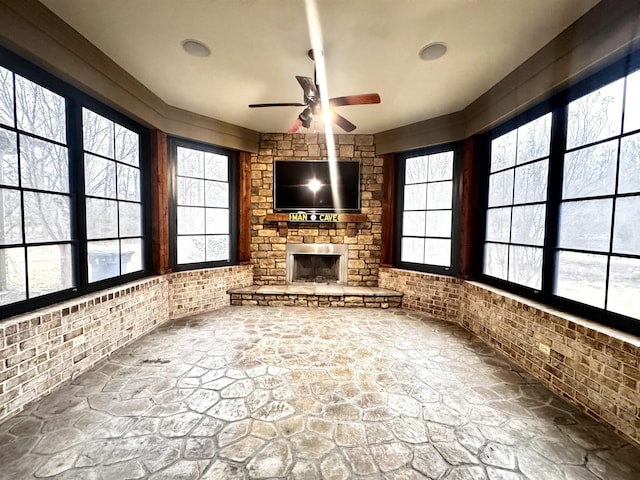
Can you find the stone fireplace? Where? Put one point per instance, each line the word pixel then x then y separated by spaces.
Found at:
pixel 317 263
pixel 271 240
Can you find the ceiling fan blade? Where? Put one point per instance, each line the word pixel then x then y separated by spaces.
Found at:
pixel 309 87
pixel 295 127
pixel 363 99
pixel 258 105
pixel 342 122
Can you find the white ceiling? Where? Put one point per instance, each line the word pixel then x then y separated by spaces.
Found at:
pixel 259 46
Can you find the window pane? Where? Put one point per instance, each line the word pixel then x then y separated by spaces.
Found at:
pixel 596 116
pixel 624 286
pixel 631 110
pixel 98 133
pixel 127 145
pixel 415 170
pixel 531 183
pixel 412 250
pixel 103 259
pixel 413 224
pixel 438 223
pixel 40 111
pixel 190 162
pixel 590 171
pixel 47 217
pixel 13 287
pixel 503 151
pixel 501 188
pixel 437 252
pixel 190 220
pixel 528 225
pixel 43 165
pixel 498 224
pixel 6 97
pixel 581 277
pixel 586 225
pixel 99 176
pixel 190 191
pixel 439 195
pixel 216 194
pixel 217 247
pixel 629 176
pixel 626 226
pixel 191 249
pixel 525 266
pixel 130 219
pixel 495 260
pixel 415 196
pixel 216 166
pixel 534 139
pixel 8 158
pixel 441 166
pixel 11 218
pixel 50 269
pixel 131 255
pixel 102 218
pixel 128 183
pixel 217 220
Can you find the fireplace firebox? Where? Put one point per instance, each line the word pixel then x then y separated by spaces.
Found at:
pixel 317 263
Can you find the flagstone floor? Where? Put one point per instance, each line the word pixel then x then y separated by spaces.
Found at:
pixel 309 393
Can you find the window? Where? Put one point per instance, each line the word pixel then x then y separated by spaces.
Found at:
pixel 563 202
pixel 36 252
pixel 203 213
pixel 426 216
pixel 71 191
pixel 113 197
pixel 598 254
pixel 517 202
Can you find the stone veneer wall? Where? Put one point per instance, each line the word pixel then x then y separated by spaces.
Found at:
pixel 269 239
pixel 41 350
pixel 196 291
pixel 594 367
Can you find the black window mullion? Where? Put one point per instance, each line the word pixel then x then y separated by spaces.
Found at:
pixel 555 173
pixel 77 190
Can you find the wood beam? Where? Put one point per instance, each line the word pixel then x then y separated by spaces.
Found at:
pixel 388 209
pixel 159 203
pixel 244 209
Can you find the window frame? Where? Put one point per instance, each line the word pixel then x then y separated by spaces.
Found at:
pixel 75 100
pixel 233 170
pixel 456 202
pixel 558 106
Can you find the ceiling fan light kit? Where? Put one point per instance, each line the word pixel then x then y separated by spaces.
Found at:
pixel 313 104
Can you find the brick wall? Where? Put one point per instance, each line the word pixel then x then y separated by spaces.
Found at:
pixel 436 295
pixel 594 367
pixel 196 291
pixel 269 240
pixel 40 351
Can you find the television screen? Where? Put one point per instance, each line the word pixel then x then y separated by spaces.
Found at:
pixel 306 186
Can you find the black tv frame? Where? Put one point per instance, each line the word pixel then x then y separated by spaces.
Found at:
pixel 315 208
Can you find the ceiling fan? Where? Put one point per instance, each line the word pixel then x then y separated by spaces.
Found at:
pixel 313 105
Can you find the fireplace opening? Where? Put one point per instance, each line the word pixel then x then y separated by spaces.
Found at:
pixel 316 268
pixel 317 263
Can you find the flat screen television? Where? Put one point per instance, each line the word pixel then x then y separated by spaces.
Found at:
pixel 306 186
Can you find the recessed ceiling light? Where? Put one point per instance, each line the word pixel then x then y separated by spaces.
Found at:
pixel 433 51
pixel 196 48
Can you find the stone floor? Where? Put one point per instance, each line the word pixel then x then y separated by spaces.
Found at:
pixel 309 393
